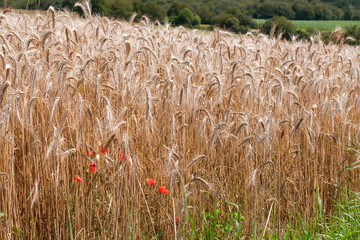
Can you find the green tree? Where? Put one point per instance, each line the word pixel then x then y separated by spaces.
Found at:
pixel 247 21
pixel 233 11
pixel 121 9
pixel 322 11
pixel 137 7
pixel 207 16
pixel 221 6
pixel 348 13
pixel 154 11
pixel 176 7
pixel 337 13
pixel 187 18
pixel 270 9
pixel 303 10
pixel 244 22
pixel 99 6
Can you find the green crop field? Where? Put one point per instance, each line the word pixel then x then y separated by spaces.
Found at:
pixel 316 24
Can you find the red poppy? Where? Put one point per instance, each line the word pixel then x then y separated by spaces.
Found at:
pixel 104 151
pixel 150 181
pixel 121 155
pixel 97 209
pixel 176 219
pixel 338 119
pixel 77 178
pixel 92 167
pixel 89 153
pixel 162 189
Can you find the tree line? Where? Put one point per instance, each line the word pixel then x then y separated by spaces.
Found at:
pixel 234 15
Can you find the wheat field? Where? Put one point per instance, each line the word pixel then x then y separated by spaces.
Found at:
pixel 212 117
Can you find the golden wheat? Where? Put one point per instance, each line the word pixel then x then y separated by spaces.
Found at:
pixel 212 116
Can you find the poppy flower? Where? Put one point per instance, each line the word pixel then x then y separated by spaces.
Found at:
pixel 104 151
pixel 92 167
pixel 97 209
pixel 176 219
pixel 89 153
pixel 121 155
pixel 77 178
pixel 162 189
pixel 150 181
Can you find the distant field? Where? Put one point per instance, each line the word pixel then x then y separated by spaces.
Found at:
pixel 317 24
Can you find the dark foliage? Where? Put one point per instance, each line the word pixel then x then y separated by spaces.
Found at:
pixel 283 26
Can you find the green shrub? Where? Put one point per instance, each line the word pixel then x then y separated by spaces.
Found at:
pixel 353 32
pixel 282 26
pixel 246 21
pixel 232 23
pixel 236 24
pixel 301 34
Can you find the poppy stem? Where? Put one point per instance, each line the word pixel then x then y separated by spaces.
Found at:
pixel 167 215
pixel 173 203
pixel 148 209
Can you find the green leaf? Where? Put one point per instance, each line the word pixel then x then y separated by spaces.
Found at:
pixel 319 202
pixel 254 229
pixel 233 204
pixel 2 214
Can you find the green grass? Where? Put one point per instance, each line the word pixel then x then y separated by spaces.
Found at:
pixel 215 224
pixel 343 223
pixel 316 24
